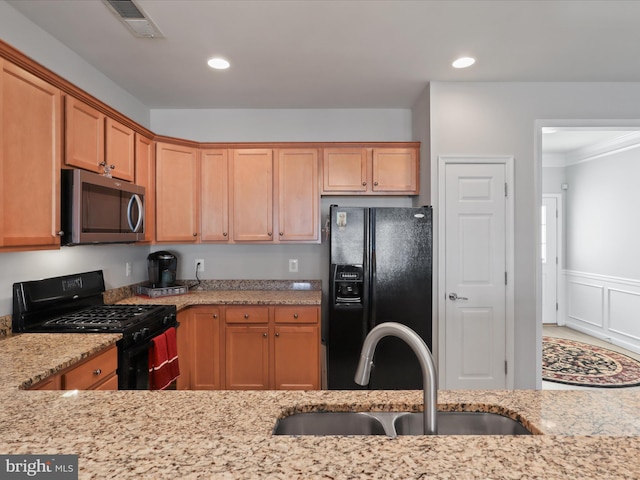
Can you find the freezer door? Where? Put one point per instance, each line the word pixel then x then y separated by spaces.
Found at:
pixel 401 279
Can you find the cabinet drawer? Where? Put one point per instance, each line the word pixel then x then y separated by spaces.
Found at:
pixel 296 314
pixel 92 371
pixel 247 315
pixel 111 384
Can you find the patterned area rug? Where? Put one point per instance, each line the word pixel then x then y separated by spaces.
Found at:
pixel 577 363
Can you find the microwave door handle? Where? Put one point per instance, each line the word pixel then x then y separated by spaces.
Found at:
pixel 135 197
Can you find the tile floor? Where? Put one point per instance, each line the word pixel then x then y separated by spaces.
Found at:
pixel 568 333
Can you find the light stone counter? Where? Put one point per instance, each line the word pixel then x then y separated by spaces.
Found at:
pixel 233 297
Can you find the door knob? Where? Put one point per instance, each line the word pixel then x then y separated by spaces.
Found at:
pixel 454 296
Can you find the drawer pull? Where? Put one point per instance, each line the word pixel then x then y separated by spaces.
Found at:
pixel 277 334
pixel 215 315
pixel 97 371
pixel 246 315
pixel 264 335
pixel 295 315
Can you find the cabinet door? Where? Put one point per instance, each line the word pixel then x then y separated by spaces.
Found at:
pixel 176 193
pixel 395 170
pixel 30 155
pixel 214 195
pixel 252 194
pixel 119 150
pixel 145 176
pixel 205 337
pixel 184 342
pixel 246 357
pixel 84 136
pixel 344 170
pixel 298 197
pixel 296 357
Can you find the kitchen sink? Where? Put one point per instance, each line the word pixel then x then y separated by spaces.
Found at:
pixel 461 423
pixel 393 424
pixel 329 423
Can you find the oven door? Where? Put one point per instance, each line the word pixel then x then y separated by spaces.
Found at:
pixel 133 358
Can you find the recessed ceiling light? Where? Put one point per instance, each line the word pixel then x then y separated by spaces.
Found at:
pixel 463 62
pixel 218 63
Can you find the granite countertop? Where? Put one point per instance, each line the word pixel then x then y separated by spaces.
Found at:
pixel 233 297
pixel 227 434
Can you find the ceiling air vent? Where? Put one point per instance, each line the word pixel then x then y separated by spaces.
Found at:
pixel 134 18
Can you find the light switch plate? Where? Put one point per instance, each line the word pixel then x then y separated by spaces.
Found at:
pixel 293 265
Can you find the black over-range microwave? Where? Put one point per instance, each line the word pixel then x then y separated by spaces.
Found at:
pixel 100 209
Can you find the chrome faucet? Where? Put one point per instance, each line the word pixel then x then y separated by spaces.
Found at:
pixel 429 375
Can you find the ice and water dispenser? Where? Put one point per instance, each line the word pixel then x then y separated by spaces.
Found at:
pixel 348 282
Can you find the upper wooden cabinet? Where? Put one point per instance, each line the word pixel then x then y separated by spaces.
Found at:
pixel 370 171
pixel 176 193
pixel 214 195
pixel 298 195
pixel 30 156
pixel 93 140
pixel 145 176
pixel 119 150
pixel 252 195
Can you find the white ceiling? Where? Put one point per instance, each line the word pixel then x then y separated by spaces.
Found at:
pixel 339 53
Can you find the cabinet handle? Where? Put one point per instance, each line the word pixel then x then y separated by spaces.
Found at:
pixel 364 184
pixel 264 335
pixel 97 371
pixel 375 184
pixel 281 233
pixel 215 315
pixel 277 334
pixel 295 315
pixel 60 233
pixel 224 234
pixel 246 315
pixel 269 233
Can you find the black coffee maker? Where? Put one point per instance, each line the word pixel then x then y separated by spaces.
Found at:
pixel 162 268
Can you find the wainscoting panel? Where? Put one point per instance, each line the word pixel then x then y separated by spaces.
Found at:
pixel 586 302
pixel 604 307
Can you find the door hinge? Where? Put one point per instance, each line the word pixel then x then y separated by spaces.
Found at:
pixel 505 189
pixel 556 306
pixel 505 367
pixel 505 278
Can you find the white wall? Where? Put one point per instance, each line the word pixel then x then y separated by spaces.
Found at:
pixel 26 36
pixel 499 119
pixel 284 125
pixel 602 215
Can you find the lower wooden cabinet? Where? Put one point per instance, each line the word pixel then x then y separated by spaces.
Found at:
pixel 279 350
pixel 252 347
pixel 98 372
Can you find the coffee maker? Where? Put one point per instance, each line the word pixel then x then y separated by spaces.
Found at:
pixel 162 268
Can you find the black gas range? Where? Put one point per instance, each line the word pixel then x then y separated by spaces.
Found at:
pixel 74 304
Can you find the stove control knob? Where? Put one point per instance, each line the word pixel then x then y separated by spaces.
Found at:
pixel 168 319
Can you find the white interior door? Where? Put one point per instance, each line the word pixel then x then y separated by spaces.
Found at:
pixel 476 274
pixel 549 258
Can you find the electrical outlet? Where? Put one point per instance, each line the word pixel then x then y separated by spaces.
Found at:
pixel 293 265
pixel 199 264
pixel 127 269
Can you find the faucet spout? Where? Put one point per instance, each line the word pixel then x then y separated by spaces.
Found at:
pixel 429 375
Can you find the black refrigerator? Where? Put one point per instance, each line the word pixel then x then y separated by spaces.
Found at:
pixel 381 271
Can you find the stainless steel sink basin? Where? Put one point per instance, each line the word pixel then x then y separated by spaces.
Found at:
pixel 461 423
pixel 329 423
pixel 393 424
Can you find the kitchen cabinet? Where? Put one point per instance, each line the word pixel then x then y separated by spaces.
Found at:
pixel 252 195
pixel 275 195
pixel 214 195
pixel 30 156
pixel 272 347
pixel 185 350
pixel 298 195
pixel 93 140
pixel 97 372
pixel 145 176
pixel 205 344
pixel 176 193
pixel 120 149
pixel 370 171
